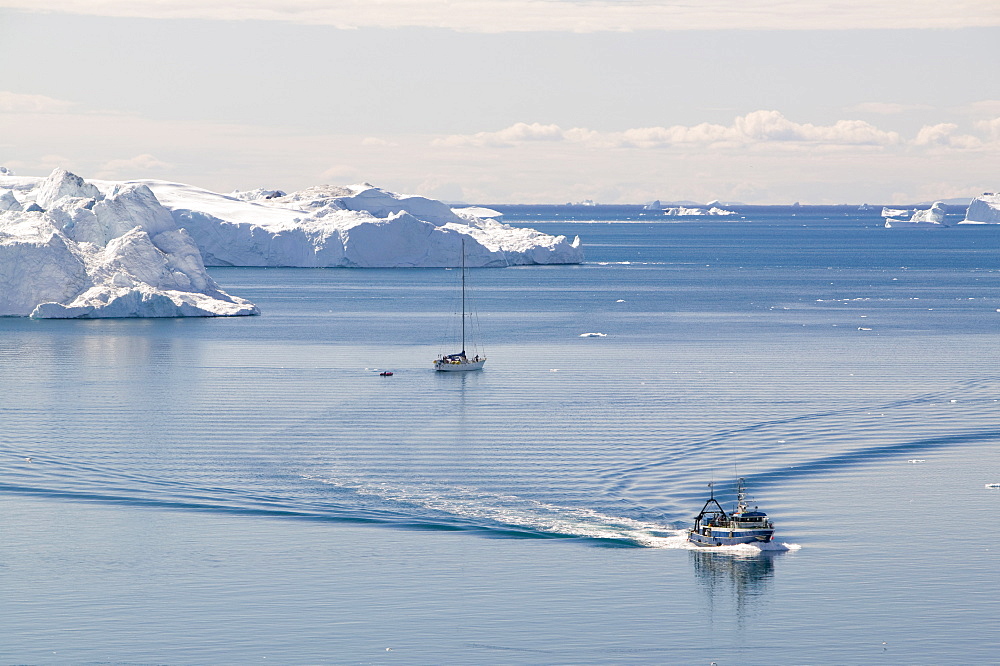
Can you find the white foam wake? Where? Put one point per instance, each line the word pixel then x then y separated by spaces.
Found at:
pixel 512 511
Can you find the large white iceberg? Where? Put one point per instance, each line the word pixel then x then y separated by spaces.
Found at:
pixel 69 251
pixel 355 226
pixel 984 209
pixel 931 218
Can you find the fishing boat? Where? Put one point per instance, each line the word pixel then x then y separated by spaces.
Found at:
pixel 460 362
pixel 714 526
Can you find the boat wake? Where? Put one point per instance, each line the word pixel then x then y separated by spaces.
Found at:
pixel 469 506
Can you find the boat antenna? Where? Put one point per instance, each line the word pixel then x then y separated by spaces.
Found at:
pixel 741 495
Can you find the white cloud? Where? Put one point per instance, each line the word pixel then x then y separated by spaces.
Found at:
pixel 758 127
pixel 945 135
pixel 132 167
pixel 555 15
pixel 12 102
pixel 511 136
pixel 340 173
pixel 762 157
pixel 886 108
pixel 991 128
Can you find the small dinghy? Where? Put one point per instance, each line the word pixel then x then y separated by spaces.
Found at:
pixel 714 526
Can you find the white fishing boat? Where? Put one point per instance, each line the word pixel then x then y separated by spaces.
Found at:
pixel 714 526
pixel 460 362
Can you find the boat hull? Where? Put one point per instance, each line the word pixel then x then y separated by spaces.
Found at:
pixel 723 539
pixel 467 366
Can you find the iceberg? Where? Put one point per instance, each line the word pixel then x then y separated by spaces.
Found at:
pixel 480 211
pixel 926 219
pixel 711 208
pixel 984 209
pixel 67 250
pixel 358 226
pixel 897 212
pixel 681 211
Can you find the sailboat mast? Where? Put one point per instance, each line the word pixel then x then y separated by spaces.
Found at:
pixel 463 296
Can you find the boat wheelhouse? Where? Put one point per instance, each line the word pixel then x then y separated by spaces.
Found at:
pixel 714 526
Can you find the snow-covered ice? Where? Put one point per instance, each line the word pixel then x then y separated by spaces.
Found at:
pixel 984 209
pixel 67 250
pixel 76 248
pixel 324 226
pixel 355 226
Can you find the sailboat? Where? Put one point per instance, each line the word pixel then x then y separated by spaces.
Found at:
pixel 460 362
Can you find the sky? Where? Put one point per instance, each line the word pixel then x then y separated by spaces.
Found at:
pixel 512 101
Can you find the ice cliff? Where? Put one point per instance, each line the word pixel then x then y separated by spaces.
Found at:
pixel 984 209
pixel 355 226
pixel 67 250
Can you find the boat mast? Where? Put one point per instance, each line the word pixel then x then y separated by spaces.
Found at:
pixel 463 296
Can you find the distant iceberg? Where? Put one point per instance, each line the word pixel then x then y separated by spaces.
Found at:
pixel 69 251
pixel 926 219
pixel 712 208
pixel 984 209
pixel 682 211
pixel 479 211
pixel 897 212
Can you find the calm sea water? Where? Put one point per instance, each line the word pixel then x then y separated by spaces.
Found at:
pixel 251 491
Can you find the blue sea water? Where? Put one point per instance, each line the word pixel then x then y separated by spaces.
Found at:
pixel 250 490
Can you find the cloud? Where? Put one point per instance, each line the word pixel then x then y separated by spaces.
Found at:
pixel 758 127
pixel 12 102
pixel 554 15
pixel 886 108
pixel 991 128
pixel 944 135
pixel 340 173
pixel 987 108
pixel 376 141
pixel 131 167
pixel 511 136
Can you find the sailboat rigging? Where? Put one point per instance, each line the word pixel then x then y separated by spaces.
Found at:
pixel 460 362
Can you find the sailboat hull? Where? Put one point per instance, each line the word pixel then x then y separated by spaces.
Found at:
pixel 455 366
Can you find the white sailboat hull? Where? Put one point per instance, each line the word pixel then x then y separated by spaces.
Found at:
pixel 452 366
